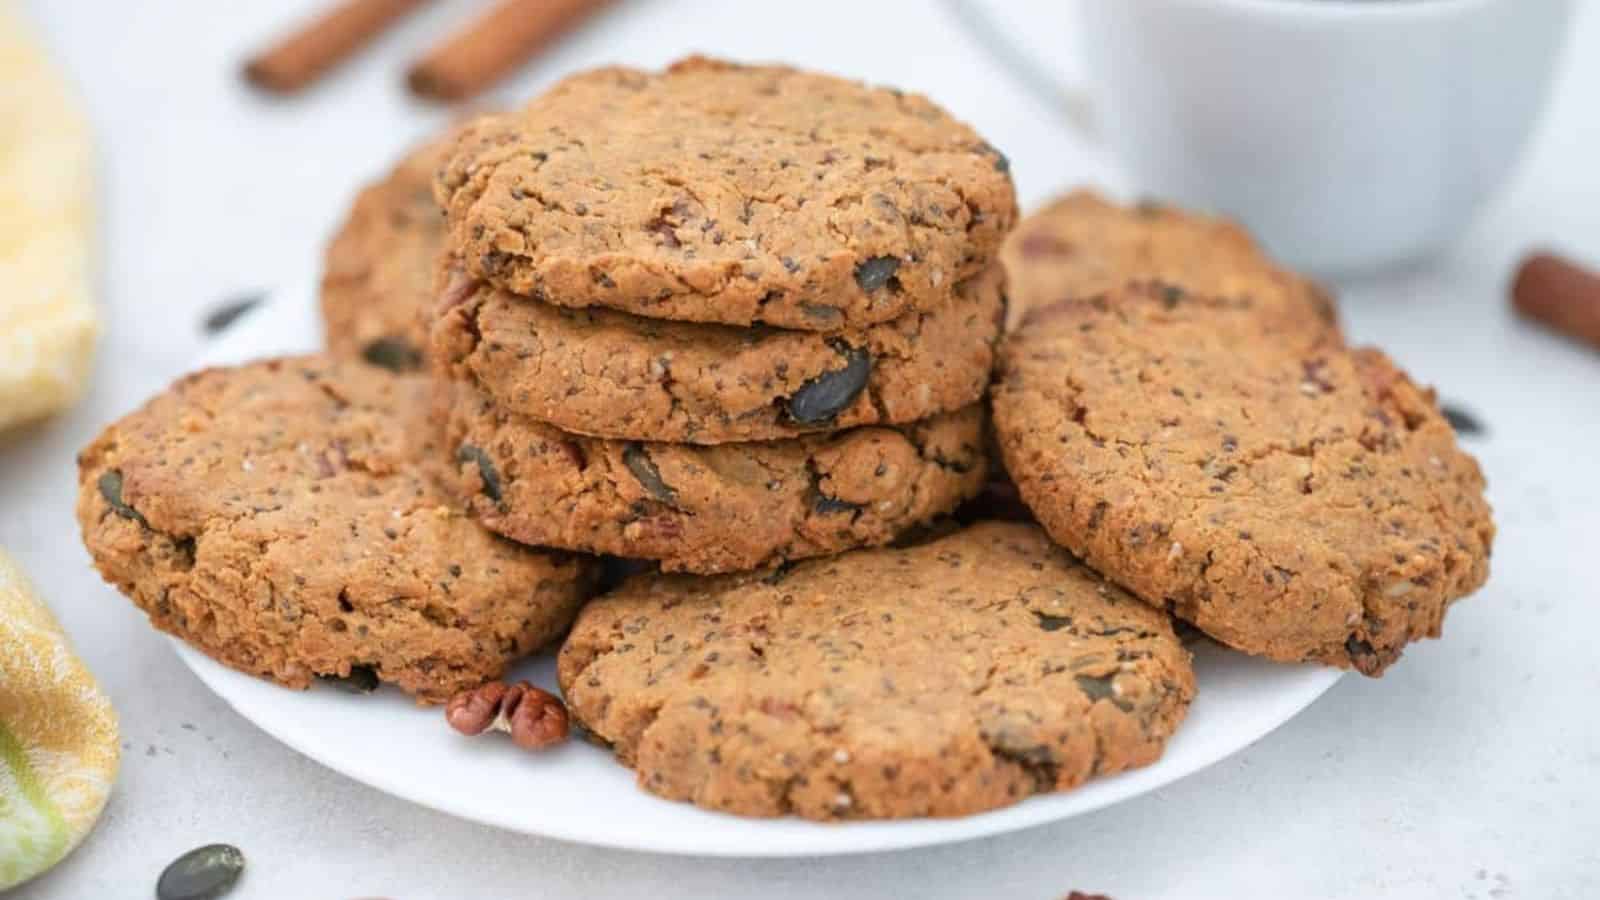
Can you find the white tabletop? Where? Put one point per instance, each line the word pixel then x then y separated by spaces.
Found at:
pixel 1471 770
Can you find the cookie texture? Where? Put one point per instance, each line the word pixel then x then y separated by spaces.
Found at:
pixel 610 374
pixel 943 679
pixel 284 517
pixel 709 509
pixel 717 192
pixel 1300 501
pixel 1081 244
pixel 378 273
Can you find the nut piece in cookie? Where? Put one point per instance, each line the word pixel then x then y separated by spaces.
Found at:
pixel 1081 245
pixel 1294 499
pixel 946 678
pixel 285 518
pixel 723 508
pixel 610 374
pixel 718 192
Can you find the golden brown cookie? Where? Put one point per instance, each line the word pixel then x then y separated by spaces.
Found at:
pixel 716 192
pixel 284 518
pixel 610 374
pixel 1080 245
pixel 1296 500
pixel 378 273
pixel 709 509
pixel 943 679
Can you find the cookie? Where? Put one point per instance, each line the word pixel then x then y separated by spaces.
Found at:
pixel 709 509
pixel 1081 245
pixel 943 679
pixel 284 517
pixel 378 273
pixel 610 374
pixel 1296 501
pixel 717 192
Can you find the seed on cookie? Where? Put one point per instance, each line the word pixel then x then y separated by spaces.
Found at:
pixel 392 353
pixel 488 478
pixel 961 674
pixel 877 272
pixel 821 399
pixel 110 486
pixel 637 459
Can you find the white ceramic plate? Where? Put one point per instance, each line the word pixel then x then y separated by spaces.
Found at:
pixel 578 793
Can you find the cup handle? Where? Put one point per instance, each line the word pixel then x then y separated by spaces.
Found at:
pixel 1070 100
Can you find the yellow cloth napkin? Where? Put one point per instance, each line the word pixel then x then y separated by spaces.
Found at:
pixel 58 736
pixel 48 321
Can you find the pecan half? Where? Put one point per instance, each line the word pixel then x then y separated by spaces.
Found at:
pixel 535 718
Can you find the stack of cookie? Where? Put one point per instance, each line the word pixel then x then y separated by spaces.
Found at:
pixel 720 316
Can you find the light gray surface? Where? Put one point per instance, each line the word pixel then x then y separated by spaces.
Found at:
pixel 1472 770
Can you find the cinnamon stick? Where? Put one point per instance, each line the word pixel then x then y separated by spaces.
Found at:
pixel 322 43
pixel 1561 294
pixel 493 46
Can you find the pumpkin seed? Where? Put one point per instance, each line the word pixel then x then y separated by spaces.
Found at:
pixel 394 354
pixel 1465 423
pixel 1048 622
pixel 222 318
pixel 1001 162
pixel 1098 688
pixel 111 488
pixel 822 398
pixel 486 472
pixel 201 874
pixel 638 461
pixel 826 505
pixel 876 272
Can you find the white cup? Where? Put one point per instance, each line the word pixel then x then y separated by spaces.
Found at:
pixel 1346 135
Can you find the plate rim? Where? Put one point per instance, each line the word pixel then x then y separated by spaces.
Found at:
pixel 831 839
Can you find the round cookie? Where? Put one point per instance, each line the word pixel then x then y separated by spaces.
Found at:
pixel 1080 245
pixel 378 272
pixel 1300 501
pixel 284 517
pixel 610 374
pixel 709 509
pixel 941 679
pixel 716 192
